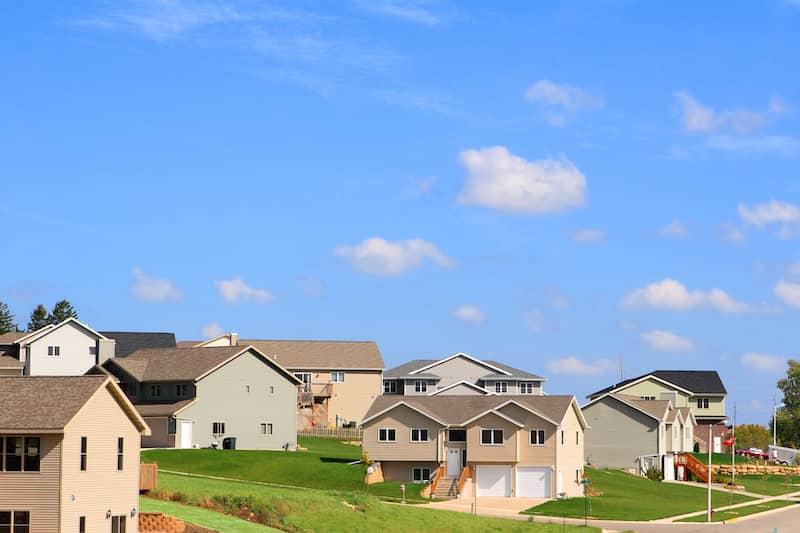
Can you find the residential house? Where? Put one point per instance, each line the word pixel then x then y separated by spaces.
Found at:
pixel 457 375
pixel 702 390
pixel 201 396
pixel 71 455
pixel 340 379
pixel 10 365
pixel 633 433
pixel 507 446
pixel 127 342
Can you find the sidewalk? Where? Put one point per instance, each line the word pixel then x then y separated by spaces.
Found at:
pixel 762 499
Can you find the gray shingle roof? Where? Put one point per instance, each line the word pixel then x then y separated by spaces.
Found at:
pixel 407 368
pixel 44 403
pixel 695 381
pixel 128 342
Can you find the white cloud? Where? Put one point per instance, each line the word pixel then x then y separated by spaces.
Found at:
pixel 576 367
pixel 561 100
pixel 666 341
pixel 500 180
pixel 760 362
pixel 535 320
pixel 391 258
pixel 784 215
pixel 788 293
pixel 589 235
pixel 236 290
pixel 560 302
pixel 675 229
pixel 671 294
pixel 470 313
pixel 732 234
pixel 212 330
pixel 697 117
pixel 415 11
pixel 149 289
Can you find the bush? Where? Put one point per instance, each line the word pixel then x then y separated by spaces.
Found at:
pixel 696 447
pixel 653 473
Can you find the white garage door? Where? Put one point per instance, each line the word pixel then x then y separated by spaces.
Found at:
pixel 533 482
pixel 494 481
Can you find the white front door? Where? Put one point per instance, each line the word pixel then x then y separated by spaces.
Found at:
pixel 493 481
pixel 186 434
pixel 453 462
pixel 534 481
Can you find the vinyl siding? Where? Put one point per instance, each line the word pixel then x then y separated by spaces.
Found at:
pixel 651 387
pixel 462 390
pixel 528 454
pixel 477 452
pixel 570 457
pixel 457 369
pixel 158 438
pixel 75 358
pixel 618 434
pixel 401 470
pixel 402 419
pixel 37 492
pixel 716 406
pixel 351 399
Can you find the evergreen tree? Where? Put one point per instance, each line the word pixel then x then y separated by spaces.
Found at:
pixel 6 319
pixel 61 311
pixel 38 318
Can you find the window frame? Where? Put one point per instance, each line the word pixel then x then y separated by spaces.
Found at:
pixel 391 385
pixel 386 435
pixel 449 432
pixel 120 453
pixel 526 387
pixel 421 470
pixel 493 433
pixel 421 385
pixel 419 439
pixel 54 350
pixel 337 373
pixel 155 390
pixel 501 387
pixel 217 425
pixel 84 453
pixel 119 523
pixel 13 524
pixel 23 457
pixel 266 428
pixel 81 524
pixel 181 390
pixel 538 432
pixel 703 402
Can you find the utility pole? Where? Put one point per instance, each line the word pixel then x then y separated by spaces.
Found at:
pixel 709 475
pixel 621 367
pixel 733 446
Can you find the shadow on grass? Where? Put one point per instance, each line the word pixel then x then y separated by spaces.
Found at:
pixel 342 460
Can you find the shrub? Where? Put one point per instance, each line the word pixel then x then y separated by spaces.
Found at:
pixel 653 473
pixel 696 447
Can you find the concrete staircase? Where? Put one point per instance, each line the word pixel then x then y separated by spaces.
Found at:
pixel 447 488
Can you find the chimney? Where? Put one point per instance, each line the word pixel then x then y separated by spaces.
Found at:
pixel 234 339
pixel 106 349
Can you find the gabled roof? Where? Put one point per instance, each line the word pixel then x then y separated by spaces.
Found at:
pixel 6 361
pixel 163 409
pixel 127 342
pixel 655 409
pixel 184 364
pixel 332 355
pixel 12 336
pixel 39 333
pixel 48 404
pixel 691 381
pixel 461 355
pixel 419 365
pixel 464 383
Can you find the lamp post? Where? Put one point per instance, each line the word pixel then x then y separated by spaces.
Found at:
pixel 775 422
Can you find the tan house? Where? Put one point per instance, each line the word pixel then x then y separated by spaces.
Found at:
pixel 71 455
pixel 208 396
pixel 340 379
pixel 507 446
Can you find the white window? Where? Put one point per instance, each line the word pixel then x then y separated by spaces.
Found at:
pixel 155 390
pixel 182 390
pixel 492 436
pixel 421 386
pixel 389 386
pixel 266 429
pixel 419 435
pixel 218 428
pixel 702 403
pixel 526 387
pixel 500 386
pixel 54 350
pixel 420 474
pixel 15 521
pixel 537 437
pixel 387 435
pixel 337 376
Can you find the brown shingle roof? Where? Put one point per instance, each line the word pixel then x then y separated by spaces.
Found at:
pixel 321 354
pixel 12 336
pixel 174 364
pixel 6 361
pixel 161 409
pixel 44 403
pixel 455 410
pixel 655 408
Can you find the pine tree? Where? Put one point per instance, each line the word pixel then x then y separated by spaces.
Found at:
pixel 61 311
pixel 6 319
pixel 38 318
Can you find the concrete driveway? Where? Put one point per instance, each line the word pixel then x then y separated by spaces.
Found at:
pixel 487 506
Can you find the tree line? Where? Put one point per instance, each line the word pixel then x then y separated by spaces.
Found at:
pixel 39 317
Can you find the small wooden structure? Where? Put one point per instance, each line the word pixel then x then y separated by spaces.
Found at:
pixel 148 476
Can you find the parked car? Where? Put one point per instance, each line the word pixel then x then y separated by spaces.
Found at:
pixel 755 453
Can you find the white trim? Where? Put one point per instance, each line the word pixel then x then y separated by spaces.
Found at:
pixel 540 444
pixel 248 348
pixel 32 333
pixel 531 410
pixel 623 401
pixel 347 368
pixel 398 404
pixel 38 334
pixel 579 412
pixel 423 388
pixel 492 412
pixel 651 376
pixel 421 468
pixel 502 432
pixel 462 382
pixel 461 354
pixel 411 435
pixel 387 430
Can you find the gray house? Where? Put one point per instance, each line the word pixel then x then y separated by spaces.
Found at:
pixel 201 396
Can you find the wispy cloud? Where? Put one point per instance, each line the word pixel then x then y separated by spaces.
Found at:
pixel 391 258
pixel 788 293
pixel 150 289
pixel 675 229
pixel 666 341
pixel 588 236
pixel 783 215
pixel 760 362
pixel 209 331
pixel 415 11
pixel 471 314
pixel 236 290
pixel 674 296
pixel 575 367
pixel 561 101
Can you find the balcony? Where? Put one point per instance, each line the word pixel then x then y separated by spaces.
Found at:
pixel 308 393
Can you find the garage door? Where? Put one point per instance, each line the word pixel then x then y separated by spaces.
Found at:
pixel 533 482
pixel 494 481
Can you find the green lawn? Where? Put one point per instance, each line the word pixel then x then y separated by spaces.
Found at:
pixel 769 485
pixel 201 517
pixel 296 510
pixel 725 459
pixel 721 516
pixel 629 497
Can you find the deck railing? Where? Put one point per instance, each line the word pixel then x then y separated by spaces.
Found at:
pixel 466 473
pixel 348 434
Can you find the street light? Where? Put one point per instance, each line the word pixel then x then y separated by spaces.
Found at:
pixel 775 423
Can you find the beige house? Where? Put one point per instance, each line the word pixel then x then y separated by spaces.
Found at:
pixel 71 455
pixel 340 379
pixel 507 446
pixel 207 396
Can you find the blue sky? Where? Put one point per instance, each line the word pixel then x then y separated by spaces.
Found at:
pixel 552 185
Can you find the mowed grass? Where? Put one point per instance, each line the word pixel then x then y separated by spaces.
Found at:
pixel 297 510
pixel 629 497
pixel 722 516
pixel 725 459
pixel 769 485
pixel 201 517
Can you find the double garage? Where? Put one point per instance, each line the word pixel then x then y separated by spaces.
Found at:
pixel 531 481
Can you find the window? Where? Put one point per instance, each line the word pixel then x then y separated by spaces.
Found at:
pixel 218 428
pixel 20 521
pixel 421 386
pixel 337 376
pixel 120 450
pixel 155 390
pixel 19 454
pixel 118 524
pixel 457 435
pixel 272 389
pixel 182 390
pixel 702 403
pixel 171 426
pixel 420 474
pixel 562 436
pixel 389 387
pixel 577 437
pixel 537 437
pixel 247 388
pixel 491 436
pixel 500 386
pixel 305 378
pixel 266 428
pixel 577 475
pixel 31 461
pixel 92 350
pixel 647 397
pixel 84 446
pixel 130 389
pixel 387 435
pixel 526 387
pixel 54 350
pixel 419 435
pixel 13 454
pixel 82 524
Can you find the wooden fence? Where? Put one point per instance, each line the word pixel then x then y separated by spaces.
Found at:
pixel 349 434
pixel 148 476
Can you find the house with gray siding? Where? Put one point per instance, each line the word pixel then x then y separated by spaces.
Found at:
pixel 198 397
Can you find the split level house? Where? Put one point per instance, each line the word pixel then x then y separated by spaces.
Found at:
pixel 479 445
pixel 339 379
pixel 458 375
pixel 200 397
pixel 69 456
pixel 636 434
pixel 700 390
